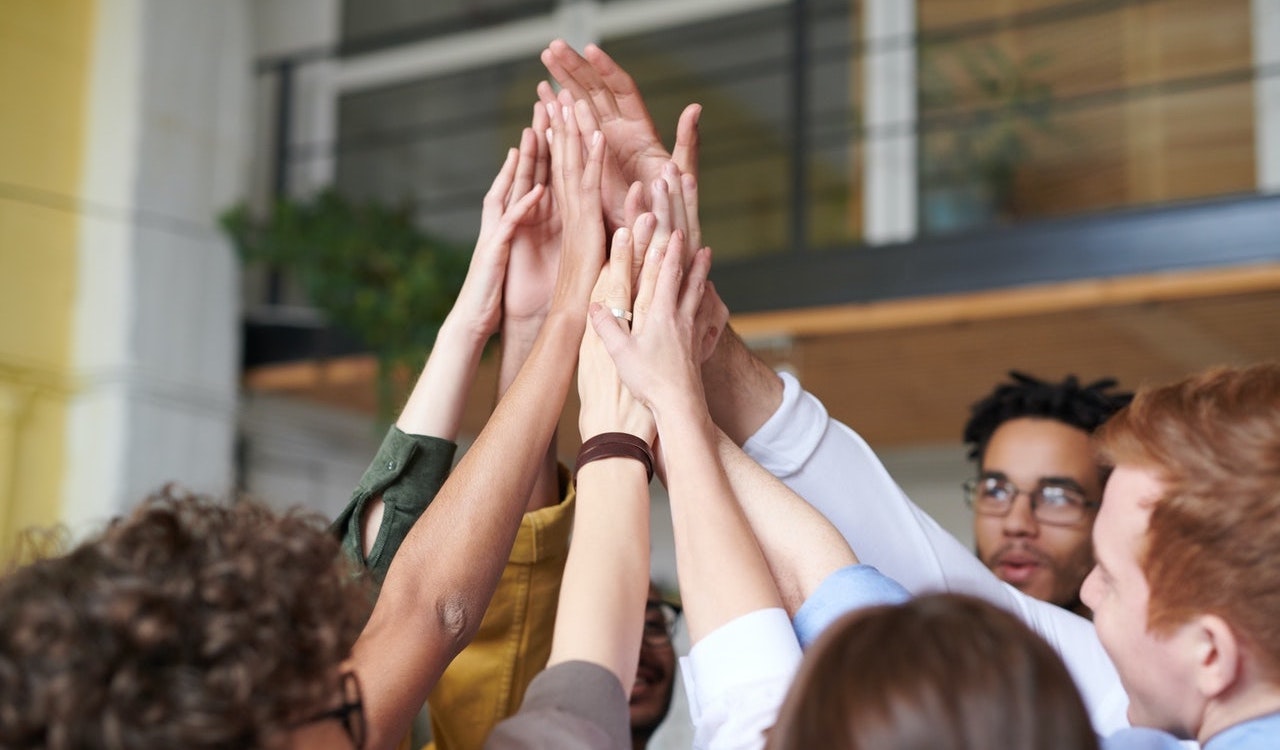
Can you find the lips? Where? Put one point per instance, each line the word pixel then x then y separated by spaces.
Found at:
pixel 646 679
pixel 1018 565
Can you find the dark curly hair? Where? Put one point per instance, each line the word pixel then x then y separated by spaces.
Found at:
pixel 1085 407
pixel 187 624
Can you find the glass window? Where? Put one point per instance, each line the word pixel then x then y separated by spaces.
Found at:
pixel 737 67
pixel 1035 108
pixel 833 123
pixel 436 143
pixel 372 24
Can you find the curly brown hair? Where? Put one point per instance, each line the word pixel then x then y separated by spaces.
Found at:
pixel 189 623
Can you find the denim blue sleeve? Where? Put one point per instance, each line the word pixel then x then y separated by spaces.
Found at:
pixel 1141 738
pixel 847 589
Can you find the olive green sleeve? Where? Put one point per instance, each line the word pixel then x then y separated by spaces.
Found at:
pixel 407 472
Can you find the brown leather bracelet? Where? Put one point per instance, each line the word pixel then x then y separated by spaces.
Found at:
pixel 614 445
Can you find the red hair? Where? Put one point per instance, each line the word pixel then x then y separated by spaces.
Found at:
pixel 1213 544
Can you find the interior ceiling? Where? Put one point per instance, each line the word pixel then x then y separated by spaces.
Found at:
pixel 905 383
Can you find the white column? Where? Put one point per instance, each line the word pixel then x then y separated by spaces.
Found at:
pixel 889 65
pixel 1266 60
pixel 155 328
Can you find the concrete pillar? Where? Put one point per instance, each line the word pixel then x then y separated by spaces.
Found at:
pixel 155 343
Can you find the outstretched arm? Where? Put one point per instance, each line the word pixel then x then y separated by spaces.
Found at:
pixel 440 583
pixel 606 579
pixel 657 361
pixel 430 419
pixel 526 296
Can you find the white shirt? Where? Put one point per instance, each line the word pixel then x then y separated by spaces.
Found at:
pixel 831 467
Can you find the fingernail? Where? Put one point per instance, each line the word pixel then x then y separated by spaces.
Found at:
pixel 565 112
pixel 548 135
pixel 595 137
pixel 551 108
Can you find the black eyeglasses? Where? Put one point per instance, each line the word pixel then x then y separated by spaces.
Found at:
pixel 350 713
pixel 1054 504
pixel 660 619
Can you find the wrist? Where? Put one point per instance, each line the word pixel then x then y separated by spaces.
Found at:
pixel 464 330
pixel 615 445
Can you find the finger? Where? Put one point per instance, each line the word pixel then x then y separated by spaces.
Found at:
pixel 618 291
pixel 556 145
pixel 689 189
pixel 666 294
pixel 521 209
pixel 688 140
pixel 587 122
pixel 642 236
pixel 646 285
pixel 546 94
pixel 573 145
pixel 661 204
pixel 574 73
pixel 542 162
pixel 710 322
pixel 695 283
pixel 591 172
pixel 634 206
pixel 618 88
pixel 495 199
pixel 612 331
pixel 675 197
pixel 525 165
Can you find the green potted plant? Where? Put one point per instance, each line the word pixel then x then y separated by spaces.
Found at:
pixel 367 267
pixel 978 108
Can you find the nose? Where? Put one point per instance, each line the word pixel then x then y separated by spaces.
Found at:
pixel 1020 521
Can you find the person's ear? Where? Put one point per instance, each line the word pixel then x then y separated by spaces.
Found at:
pixel 1217 654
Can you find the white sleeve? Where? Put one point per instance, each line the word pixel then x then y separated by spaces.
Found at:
pixel 832 467
pixel 737 677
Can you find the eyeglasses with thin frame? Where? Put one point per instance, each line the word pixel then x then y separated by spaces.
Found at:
pixel 1052 503
pixel 660 619
pixel 350 713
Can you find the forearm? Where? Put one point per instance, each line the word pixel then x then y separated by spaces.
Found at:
pixel 742 392
pixel 606 579
pixel 517 341
pixel 436 403
pixel 440 583
pixel 801 547
pixel 711 533
pixel 439 397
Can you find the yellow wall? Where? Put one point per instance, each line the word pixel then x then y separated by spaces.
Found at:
pixel 45 48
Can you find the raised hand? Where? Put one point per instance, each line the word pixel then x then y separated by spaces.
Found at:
pixel 535 246
pixel 607 404
pixel 616 105
pixel 658 358
pixel 511 200
pixel 575 182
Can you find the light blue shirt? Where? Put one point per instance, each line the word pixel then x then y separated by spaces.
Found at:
pixel 1256 734
pixel 845 590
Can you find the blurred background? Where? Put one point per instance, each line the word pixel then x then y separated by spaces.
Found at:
pixel 907 198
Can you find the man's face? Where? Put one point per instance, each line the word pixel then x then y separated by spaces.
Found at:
pixel 655 677
pixel 1155 670
pixel 1044 561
